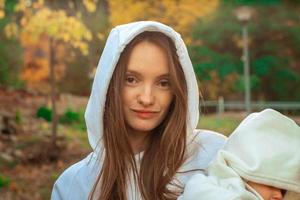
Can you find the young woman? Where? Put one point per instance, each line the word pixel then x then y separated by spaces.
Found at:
pixel 141 119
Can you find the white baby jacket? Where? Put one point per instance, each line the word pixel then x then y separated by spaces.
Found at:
pixel 264 148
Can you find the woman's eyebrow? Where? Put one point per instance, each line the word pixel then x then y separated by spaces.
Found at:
pixel 132 72
pixel 165 75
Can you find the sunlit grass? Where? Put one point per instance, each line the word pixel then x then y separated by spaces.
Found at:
pixel 219 123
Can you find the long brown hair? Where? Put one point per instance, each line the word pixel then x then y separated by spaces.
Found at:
pixel 166 151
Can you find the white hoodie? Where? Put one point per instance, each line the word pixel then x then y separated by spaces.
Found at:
pixel 263 149
pixel 77 181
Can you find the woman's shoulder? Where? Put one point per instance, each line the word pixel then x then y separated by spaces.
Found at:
pixel 209 139
pixel 204 145
pixel 76 181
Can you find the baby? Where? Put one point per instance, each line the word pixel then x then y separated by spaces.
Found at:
pixel 260 161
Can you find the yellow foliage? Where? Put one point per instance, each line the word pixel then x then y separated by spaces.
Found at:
pixel 100 36
pixel 23 5
pixel 36 71
pixel 90 5
pixel 2 13
pixel 213 89
pixel 180 14
pixel 26 39
pixel 59 27
pixel 216 87
pixel 36 63
pixel 11 30
pixel 127 11
pixel 39 29
pixel 39 20
pixel 39 4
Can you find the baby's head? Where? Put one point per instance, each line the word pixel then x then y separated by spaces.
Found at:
pixel 267 192
pixel 264 149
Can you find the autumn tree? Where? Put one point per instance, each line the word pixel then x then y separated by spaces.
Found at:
pixel 55 27
pixel 180 14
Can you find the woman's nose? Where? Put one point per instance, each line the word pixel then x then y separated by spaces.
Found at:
pixel 146 97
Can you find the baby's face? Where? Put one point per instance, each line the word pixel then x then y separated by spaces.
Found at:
pixel 267 192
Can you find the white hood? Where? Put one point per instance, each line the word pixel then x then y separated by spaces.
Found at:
pixel 264 149
pixel 118 38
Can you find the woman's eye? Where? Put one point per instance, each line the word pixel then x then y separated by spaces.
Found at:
pixel 164 84
pixel 131 80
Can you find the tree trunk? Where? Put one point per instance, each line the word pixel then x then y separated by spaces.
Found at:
pixel 53 92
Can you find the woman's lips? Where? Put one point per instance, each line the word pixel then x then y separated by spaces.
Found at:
pixel 145 114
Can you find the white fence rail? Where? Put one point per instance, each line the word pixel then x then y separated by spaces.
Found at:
pixel 222 105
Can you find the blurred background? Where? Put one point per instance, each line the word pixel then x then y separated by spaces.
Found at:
pixel 246 55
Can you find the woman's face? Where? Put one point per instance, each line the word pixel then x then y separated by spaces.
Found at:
pixel 146 94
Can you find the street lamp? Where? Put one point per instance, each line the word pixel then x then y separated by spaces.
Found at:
pixel 244 14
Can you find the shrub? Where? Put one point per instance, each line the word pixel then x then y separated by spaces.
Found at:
pixel 4 182
pixel 44 113
pixel 70 117
pixel 18 117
